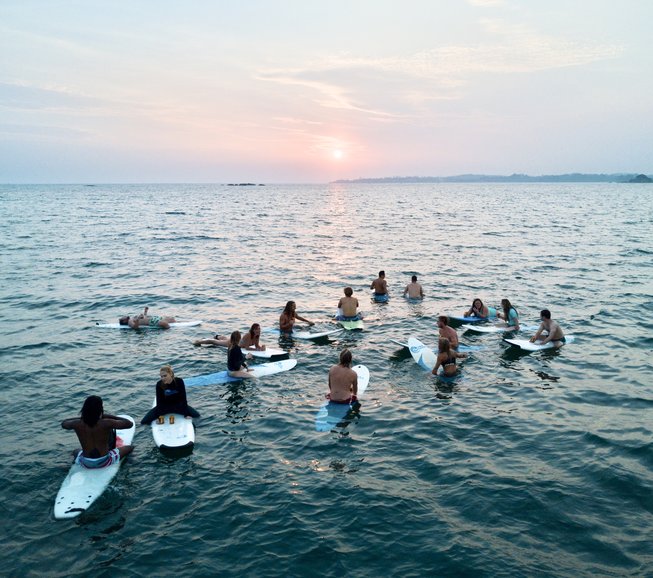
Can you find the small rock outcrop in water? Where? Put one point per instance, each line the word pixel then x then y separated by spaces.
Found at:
pixel 641 179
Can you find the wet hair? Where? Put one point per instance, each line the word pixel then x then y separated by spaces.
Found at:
pixel 545 313
pixel 168 370
pixel 124 320
pixel 349 291
pixel 414 278
pixel 252 328
pixel 443 345
pixel 92 410
pixel 234 340
pixel 444 319
pixel 345 357
pixel 507 306
pixel 288 308
pixel 381 273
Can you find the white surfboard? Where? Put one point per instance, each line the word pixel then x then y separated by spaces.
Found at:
pixel 526 345
pixel 424 356
pixel 303 334
pixel 331 414
pixel 268 353
pixel 83 486
pixel 261 370
pixel 496 328
pixel 191 323
pixel 176 435
pixel 461 346
pixel 399 343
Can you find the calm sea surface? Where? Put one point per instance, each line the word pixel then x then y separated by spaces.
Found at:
pixel 525 465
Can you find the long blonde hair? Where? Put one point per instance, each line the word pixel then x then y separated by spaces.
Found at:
pixel 168 370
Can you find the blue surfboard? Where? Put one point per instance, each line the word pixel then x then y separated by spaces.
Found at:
pixel 330 414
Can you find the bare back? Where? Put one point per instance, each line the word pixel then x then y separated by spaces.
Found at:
pixel 95 439
pixel 343 382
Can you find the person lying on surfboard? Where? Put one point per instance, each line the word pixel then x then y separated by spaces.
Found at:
pixel 447 332
pixel 96 432
pixel 145 320
pixel 288 317
pixel 479 310
pixel 447 358
pixel 414 290
pixel 380 285
pixel 348 307
pixel 343 380
pixel 251 339
pixel 554 332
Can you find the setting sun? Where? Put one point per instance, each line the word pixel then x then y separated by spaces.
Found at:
pixel 337 154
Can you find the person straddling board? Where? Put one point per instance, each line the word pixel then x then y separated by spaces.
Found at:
pixel 414 290
pixel 348 307
pixel 343 380
pixel 96 432
pixel 554 335
pixel 447 358
pixel 170 397
pixel 145 320
pixel 288 317
pixel 236 364
pixel 380 286
pixel 447 332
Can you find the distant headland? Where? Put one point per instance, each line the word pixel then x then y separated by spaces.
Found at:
pixel 514 178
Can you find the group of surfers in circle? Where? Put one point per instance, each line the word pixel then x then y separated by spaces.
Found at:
pixel 96 429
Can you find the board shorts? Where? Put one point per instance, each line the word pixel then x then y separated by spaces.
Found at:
pixel 356 317
pixel 113 457
pixel 349 400
pixel 154 320
pixel 561 340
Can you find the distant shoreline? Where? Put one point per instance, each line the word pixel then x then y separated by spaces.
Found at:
pixel 514 178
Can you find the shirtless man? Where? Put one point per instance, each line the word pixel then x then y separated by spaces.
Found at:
pixel 447 332
pixel 348 306
pixel 96 433
pixel 554 331
pixel 145 320
pixel 414 289
pixel 343 380
pixel 288 316
pixel 380 285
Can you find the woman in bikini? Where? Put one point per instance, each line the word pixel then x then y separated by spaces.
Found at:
pixel 447 358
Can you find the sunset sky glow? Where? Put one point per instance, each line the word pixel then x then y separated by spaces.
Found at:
pixel 294 91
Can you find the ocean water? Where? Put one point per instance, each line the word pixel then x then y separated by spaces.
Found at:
pixel 524 465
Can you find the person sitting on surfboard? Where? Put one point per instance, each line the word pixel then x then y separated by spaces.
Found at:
pixel 447 332
pixel 380 285
pixel 288 317
pixel 510 315
pixel 414 289
pixel 348 307
pixel 144 320
pixel 479 310
pixel 251 339
pixel 343 380
pixel 96 432
pixel 446 358
pixel 554 332
pixel 236 358
pixel 170 397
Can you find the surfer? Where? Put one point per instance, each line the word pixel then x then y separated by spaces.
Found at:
pixel 170 397
pixel 380 285
pixel 414 289
pixel 145 320
pixel 96 432
pixel 221 340
pixel 555 334
pixel 510 315
pixel 479 310
pixel 251 339
pixel 236 364
pixel 447 332
pixel 288 317
pixel 348 307
pixel 343 380
pixel 447 358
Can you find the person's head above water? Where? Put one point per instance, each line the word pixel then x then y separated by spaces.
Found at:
pixel 345 357
pixel 92 410
pixel 124 320
pixel 349 291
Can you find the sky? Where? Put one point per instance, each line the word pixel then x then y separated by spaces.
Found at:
pixel 309 91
